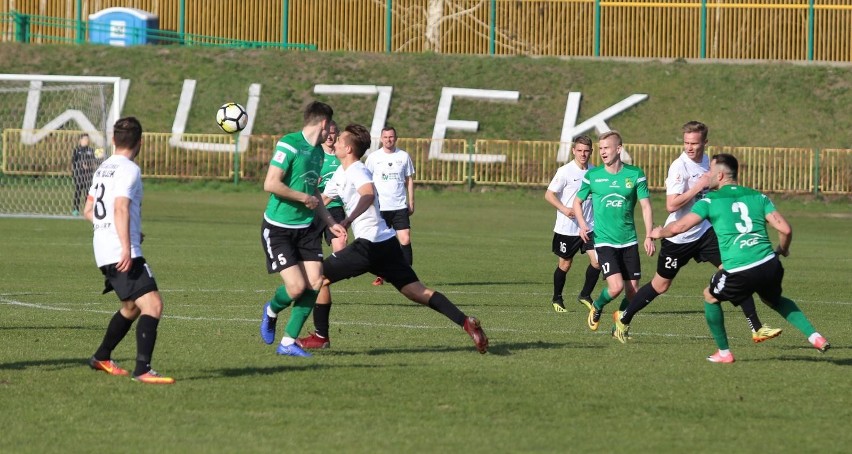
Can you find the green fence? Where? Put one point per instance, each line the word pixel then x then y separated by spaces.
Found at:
pixel 47 29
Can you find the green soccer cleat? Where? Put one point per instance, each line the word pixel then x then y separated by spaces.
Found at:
pixel 619 330
pixel 765 333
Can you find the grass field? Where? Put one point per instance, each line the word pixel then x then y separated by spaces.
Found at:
pixel 400 377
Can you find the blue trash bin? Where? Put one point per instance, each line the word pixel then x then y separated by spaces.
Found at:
pixel 123 27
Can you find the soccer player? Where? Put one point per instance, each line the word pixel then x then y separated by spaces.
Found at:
pixel 615 188
pixel 114 206
pixel 566 233
pixel 393 175
pixel 330 163
pixel 375 248
pixel 291 241
pixel 739 216
pixel 83 165
pixel 686 182
pixel 335 208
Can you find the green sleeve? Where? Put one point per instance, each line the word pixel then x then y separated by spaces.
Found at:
pixel 642 186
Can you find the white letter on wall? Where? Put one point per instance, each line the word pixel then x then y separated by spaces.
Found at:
pixel 380 115
pixel 572 109
pixel 32 134
pixel 443 122
pixel 185 104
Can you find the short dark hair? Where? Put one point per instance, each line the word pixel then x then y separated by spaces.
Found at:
pixel 696 126
pixel 316 112
pixel 359 138
pixel 127 133
pixel 585 140
pixel 729 162
pixel 390 128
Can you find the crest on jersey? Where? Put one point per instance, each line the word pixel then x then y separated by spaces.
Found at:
pixel 628 183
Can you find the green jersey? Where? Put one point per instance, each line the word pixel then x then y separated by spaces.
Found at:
pixel 738 215
pixel 330 163
pixel 301 163
pixel 614 198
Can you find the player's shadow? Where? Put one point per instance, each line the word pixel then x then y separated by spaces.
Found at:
pixel 235 372
pixel 498 349
pixel 52 327
pixel 51 364
pixel 821 358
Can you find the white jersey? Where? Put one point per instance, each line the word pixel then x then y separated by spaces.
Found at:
pixel 116 177
pixel 344 184
pixel 565 185
pixel 683 174
pixel 390 171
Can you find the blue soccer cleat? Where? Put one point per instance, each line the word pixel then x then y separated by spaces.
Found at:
pixel 267 326
pixel 292 350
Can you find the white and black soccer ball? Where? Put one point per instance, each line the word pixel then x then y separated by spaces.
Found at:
pixel 231 117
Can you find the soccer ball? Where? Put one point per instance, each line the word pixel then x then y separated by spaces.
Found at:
pixel 231 117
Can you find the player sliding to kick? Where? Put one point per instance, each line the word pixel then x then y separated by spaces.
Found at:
pixel 375 249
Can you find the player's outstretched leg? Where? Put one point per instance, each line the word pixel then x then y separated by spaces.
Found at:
pixel 788 309
pixel 474 329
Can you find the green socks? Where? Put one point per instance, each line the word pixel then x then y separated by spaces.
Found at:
pixel 281 300
pixel 603 300
pixel 788 309
pixel 300 313
pixel 716 322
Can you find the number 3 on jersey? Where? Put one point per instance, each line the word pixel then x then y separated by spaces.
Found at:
pixel 747 224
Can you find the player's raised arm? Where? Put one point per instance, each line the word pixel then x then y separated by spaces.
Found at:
pixel 681 225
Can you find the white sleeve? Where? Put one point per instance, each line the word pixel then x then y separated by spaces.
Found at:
pixel 558 183
pixel 360 178
pixel 332 186
pixel 676 180
pixel 125 179
pixel 409 166
pixel 371 161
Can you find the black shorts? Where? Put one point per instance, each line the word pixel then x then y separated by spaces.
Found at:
pixel 285 247
pixel 132 284
pixel 624 261
pixel 383 259
pixel 397 219
pixel 764 279
pixel 566 246
pixel 674 256
pixel 338 214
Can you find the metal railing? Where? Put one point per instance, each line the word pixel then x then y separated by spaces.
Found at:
pixel 520 163
pixel 721 29
pixel 48 29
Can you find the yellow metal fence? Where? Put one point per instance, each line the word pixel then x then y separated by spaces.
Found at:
pixel 726 29
pixel 485 162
